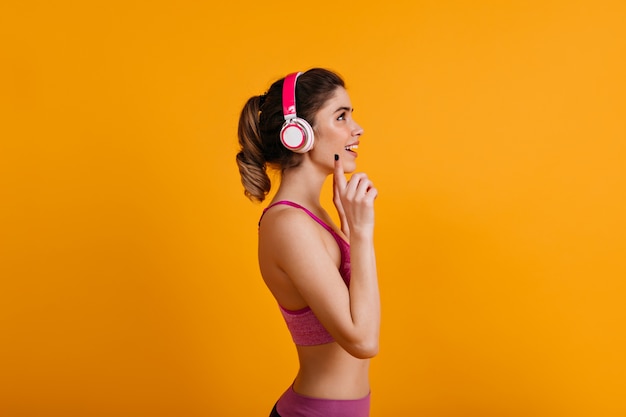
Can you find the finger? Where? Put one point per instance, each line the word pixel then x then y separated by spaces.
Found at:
pixel 336 193
pixel 371 194
pixel 364 185
pixel 357 181
pixel 339 178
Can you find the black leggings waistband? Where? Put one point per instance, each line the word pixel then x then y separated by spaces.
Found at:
pixel 274 413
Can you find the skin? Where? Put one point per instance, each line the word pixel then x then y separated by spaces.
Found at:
pixel 299 259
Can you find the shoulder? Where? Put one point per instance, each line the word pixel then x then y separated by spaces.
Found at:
pixel 287 234
pixel 284 223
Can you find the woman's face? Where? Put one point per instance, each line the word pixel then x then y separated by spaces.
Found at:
pixel 336 132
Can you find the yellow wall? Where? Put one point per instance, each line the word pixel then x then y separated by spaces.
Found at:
pixel 495 132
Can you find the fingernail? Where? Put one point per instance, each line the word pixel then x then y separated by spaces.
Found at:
pixel 336 157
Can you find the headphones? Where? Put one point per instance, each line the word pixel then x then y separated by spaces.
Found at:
pixel 296 134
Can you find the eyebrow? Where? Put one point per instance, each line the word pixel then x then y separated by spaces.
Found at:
pixel 344 108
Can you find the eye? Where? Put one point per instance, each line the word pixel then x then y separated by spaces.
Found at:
pixel 342 116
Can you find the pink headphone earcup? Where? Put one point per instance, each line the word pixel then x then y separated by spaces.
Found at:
pixel 297 135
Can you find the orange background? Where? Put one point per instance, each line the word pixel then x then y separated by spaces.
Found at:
pixel 495 133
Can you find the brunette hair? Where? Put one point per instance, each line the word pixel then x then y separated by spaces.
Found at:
pixel 261 121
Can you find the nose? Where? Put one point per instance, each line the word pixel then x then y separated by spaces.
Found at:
pixel 357 130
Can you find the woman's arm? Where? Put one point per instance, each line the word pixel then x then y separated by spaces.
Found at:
pixel 297 245
pixel 356 199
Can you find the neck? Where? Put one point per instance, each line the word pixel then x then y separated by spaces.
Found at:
pixel 302 184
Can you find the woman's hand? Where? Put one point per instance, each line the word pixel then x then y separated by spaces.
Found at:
pixel 354 200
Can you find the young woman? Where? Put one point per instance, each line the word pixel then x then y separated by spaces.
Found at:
pixel 323 278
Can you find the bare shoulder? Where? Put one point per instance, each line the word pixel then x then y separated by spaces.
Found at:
pixel 285 227
pixel 292 241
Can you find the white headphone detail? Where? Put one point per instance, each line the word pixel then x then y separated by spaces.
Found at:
pixel 296 134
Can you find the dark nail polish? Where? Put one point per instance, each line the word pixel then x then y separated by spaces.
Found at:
pixel 336 157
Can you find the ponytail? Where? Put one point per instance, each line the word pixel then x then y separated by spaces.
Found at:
pixel 250 159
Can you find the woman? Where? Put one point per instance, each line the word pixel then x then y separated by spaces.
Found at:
pixel 323 278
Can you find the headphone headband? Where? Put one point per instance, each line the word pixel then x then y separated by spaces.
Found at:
pixel 289 95
pixel 296 134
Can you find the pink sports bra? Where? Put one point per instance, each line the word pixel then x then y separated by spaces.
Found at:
pixel 305 328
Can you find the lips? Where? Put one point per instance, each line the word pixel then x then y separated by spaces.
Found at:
pixel 352 147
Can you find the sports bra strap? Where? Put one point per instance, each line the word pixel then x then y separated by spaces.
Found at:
pixel 307 211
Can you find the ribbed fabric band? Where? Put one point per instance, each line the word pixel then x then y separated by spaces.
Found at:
pixel 292 404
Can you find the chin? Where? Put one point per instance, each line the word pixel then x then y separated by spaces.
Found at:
pixel 349 167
